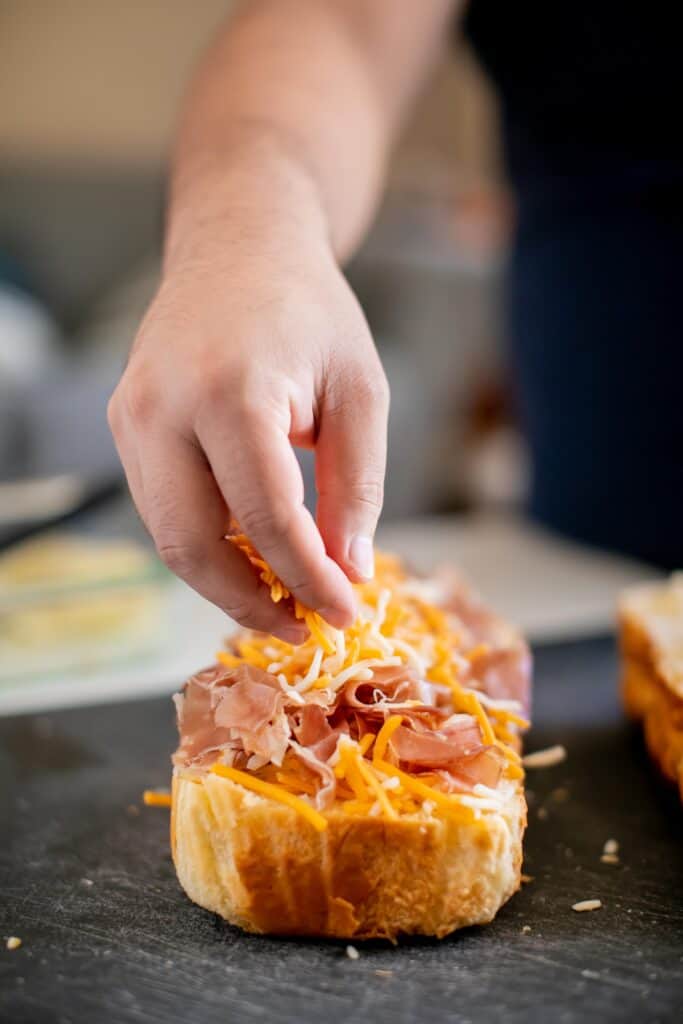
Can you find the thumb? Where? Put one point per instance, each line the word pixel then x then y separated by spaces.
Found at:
pixel 351 453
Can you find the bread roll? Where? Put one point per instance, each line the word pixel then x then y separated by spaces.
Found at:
pixel 651 642
pixel 263 867
pixel 363 785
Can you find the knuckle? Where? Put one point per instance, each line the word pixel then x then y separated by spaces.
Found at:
pixel 141 397
pixel 180 554
pixel 250 613
pixel 242 611
pixel 266 523
pixel 216 387
pixel 356 389
pixel 369 493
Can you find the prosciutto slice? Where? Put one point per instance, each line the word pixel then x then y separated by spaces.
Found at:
pixel 431 749
pixel 314 732
pixel 505 674
pixel 200 738
pixel 392 688
pixel 222 709
pixel 484 767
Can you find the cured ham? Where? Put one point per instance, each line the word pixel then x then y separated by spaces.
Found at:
pixel 417 686
pixel 435 749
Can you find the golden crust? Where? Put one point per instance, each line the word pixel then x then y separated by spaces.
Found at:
pixel 649 697
pixel 262 866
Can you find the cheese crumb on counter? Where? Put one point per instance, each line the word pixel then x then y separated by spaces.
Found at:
pixel 352 953
pixel 545 758
pixel 610 852
pixel 583 905
pixel 13 942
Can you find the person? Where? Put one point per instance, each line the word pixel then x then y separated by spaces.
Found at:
pixel 254 342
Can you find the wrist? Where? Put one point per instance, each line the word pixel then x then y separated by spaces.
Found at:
pixel 253 191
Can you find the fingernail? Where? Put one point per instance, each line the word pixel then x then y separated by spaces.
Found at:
pixel 362 556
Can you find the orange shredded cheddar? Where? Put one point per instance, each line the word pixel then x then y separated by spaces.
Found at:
pixel 508 716
pixel 156 798
pixel 295 783
pixel 229 660
pixel 366 742
pixel 315 625
pixel 269 789
pixel 384 633
pixel 375 785
pixel 352 773
pixel 252 654
pixel 384 735
pixel 448 802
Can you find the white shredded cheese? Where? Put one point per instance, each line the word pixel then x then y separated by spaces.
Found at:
pixel 545 758
pixel 313 671
pixel 479 803
pixel 381 609
pixel 362 670
pixel 411 656
pixel 502 705
pixel 352 953
pixel 584 905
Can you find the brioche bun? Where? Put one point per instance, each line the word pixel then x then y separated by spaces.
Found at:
pixel 263 867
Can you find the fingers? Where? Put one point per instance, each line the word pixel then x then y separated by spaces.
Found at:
pixel 350 464
pixel 260 480
pixel 187 518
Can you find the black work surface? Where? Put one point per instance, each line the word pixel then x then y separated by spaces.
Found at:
pixel 88 885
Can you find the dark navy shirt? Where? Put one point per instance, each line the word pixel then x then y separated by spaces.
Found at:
pixel 590 97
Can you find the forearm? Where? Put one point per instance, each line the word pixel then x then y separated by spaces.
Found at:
pixel 291 117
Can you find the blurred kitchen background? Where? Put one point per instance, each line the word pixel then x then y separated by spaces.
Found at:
pixel 90 89
pixel 95 86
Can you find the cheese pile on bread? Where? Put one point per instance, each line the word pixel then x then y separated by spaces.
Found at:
pixel 366 783
pixel 651 640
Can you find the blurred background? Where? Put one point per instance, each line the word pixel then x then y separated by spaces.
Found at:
pixel 83 147
pixel 90 91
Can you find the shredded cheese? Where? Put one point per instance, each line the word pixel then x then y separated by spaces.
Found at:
pixel 156 798
pixel 450 803
pixel 317 820
pixel 396 625
pixel 384 735
pixel 545 758
pixel 375 785
pixel 366 742
pixel 584 905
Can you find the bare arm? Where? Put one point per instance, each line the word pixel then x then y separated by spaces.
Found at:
pixel 254 342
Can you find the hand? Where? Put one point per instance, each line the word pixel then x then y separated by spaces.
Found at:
pixel 242 355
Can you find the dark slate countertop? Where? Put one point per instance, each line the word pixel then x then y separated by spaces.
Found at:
pixel 87 882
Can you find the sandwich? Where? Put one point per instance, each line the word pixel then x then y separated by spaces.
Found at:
pixel 365 784
pixel 651 642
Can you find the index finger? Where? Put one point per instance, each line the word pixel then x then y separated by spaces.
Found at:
pixel 255 467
